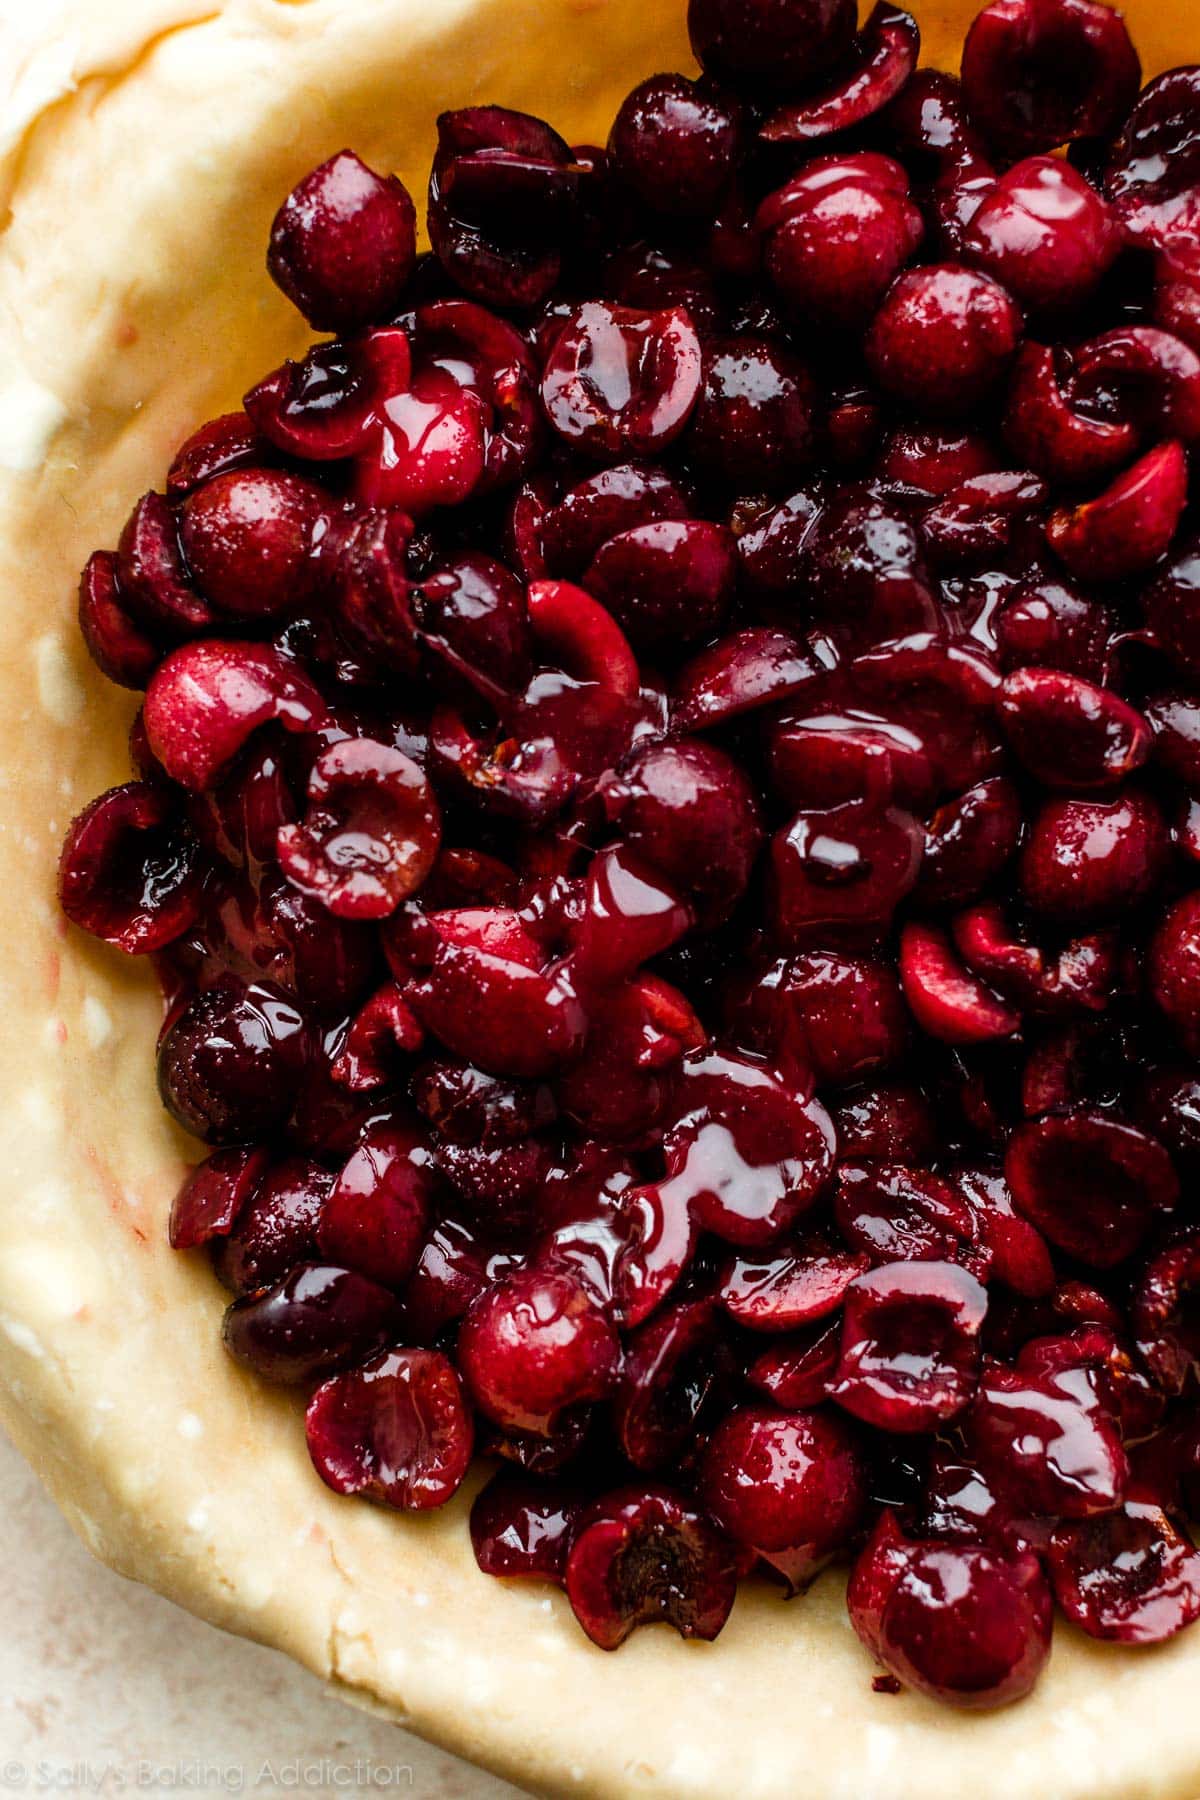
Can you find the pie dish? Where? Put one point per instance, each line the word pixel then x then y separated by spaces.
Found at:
pixel 131 275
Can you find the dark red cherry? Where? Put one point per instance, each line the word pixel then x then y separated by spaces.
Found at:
pixel 837 234
pixel 935 458
pixel 504 187
pixel 790 1486
pixel 868 575
pixel 909 1357
pixel 117 646
pixel 487 998
pixel 946 998
pixel 276 1228
pixel 397 1430
pixel 321 408
pixel 621 383
pixel 375 1215
pixel 206 699
pixel 129 871
pixel 248 537
pixel 889 1213
pixel 688 810
pixel 370 834
pixel 1130 1577
pixel 1171 603
pixel 881 61
pixel 754 425
pixel 890 1119
pixel 523 1526
pixel 1070 733
pixel 1040 73
pixel 1164 1313
pixel 794 1372
pixel 1092 1185
pixel 766 46
pixel 1051 625
pixel 1173 968
pixel 1045 233
pixel 673 145
pixel 225 443
pixel 666 584
pixel 745 670
pixel 230 1064
pixel 1130 525
pixel 1154 166
pixel 214 1196
pixel 748 1153
pixel 845 870
pixel 316 1320
pixel 968 841
pixel 1046 1443
pixel 792 1286
pixel 1020 1256
pixel 842 1016
pixel 1086 861
pixel 343 244
pixel 152 577
pixel 669 1372
pixel 533 1346
pixel 1044 428
pixel 383 1027
pixel 962 1623
pixel 643 1555
pixel 602 506
pixel 934 135
pixel 943 339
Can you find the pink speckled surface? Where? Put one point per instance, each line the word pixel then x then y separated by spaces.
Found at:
pixel 107 1688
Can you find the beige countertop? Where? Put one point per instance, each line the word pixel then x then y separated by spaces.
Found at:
pixel 106 1688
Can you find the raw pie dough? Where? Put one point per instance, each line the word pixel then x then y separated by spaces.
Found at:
pixel 144 145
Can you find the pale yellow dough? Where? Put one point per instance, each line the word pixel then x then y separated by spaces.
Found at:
pixel 143 147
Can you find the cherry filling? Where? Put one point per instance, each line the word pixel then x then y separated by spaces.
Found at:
pixel 668 814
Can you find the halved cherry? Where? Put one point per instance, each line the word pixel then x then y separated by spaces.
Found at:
pixel 882 60
pixel 670 1369
pixel 214 1195
pixel 116 644
pixel 748 1152
pixel 1092 1185
pixel 397 1430
pixel 642 1555
pixel 747 669
pixel 1043 427
pixel 1041 73
pixel 129 871
pixel 523 1526
pixel 795 1372
pixel 206 699
pixel 909 1357
pixel 1070 733
pixel 946 999
pixel 1129 1577
pixel 1046 1443
pixel 622 383
pixel 376 1214
pixel 1130 525
pixel 794 1286
pixel 370 834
